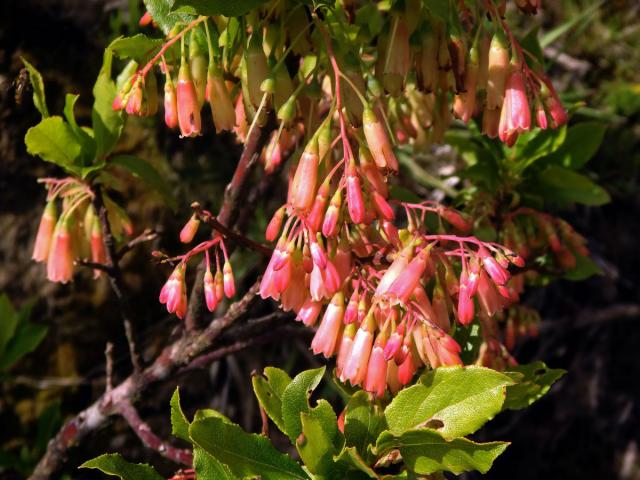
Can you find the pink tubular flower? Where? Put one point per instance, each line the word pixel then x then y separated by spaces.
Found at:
pixel 228 280
pixel 344 351
pixel 326 337
pixel 330 223
pixel 170 103
pixel 465 303
pixel 174 292
pixel 187 100
pixel 45 232
pixel 356 367
pixel 303 187
pixel 407 281
pixel 98 253
pixel 407 369
pixel 489 300
pixel 355 201
pixel 399 264
pixel 60 260
pixel 382 207
pixel 378 141
pixel 190 229
pixel 497 273
pixel 316 215
pixel 209 291
pixel 376 380
pixel 309 312
pixel 515 117
pixel 222 109
pixel 394 343
pixel 273 228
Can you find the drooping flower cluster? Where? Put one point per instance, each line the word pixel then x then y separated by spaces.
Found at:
pixel 77 232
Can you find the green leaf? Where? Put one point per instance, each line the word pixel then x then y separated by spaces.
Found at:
pixel 53 140
pixel 25 340
pixel 533 381
pixel 88 144
pixel 363 422
pixel 39 100
pixel 208 468
pixel 315 446
pixel 179 422
pixel 558 184
pixel 235 8
pixel 269 392
pixel 349 457
pixel 107 123
pixel 580 145
pixel 551 36
pixel 137 47
pixel 144 170
pixel 295 400
pixel 535 145
pixel 8 321
pixel 161 12
pixel 585 268
pixel 454 400
pixel 531 44
pixel 426 451
pixel 114 464
pixel 245 454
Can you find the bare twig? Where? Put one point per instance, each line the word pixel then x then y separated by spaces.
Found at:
pixel 108 355
pixel 95 266
pixel 174 356
pixel 150 439
pixel 147 236
pixel 225 231
pixel 115 277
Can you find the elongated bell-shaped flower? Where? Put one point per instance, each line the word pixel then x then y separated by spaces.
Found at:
pixel 464 103
pixel 497 273
pixel 407 369
pixel 376 379
pixel 465 301
pixel 303 186
pixel 187 100
pixel 222 109
pixel 273 228
pixel 355 200
pixel 170 103
pixel 210 296
pixel 309 312
pixel 398 265
pixel 410 277
pixel 98 252
pixel 351 312
pixel 498 69
pixel 515 117
pixel 174 292
pixel 330 222
pixel 344 350
pixel 45 232
pixel 397 56
pixel 60 259
pixel 378 141
pixel 488 297
pixel 427 62
pixel 355 369
pixel 190 229
pixel 136 102
pixel 326 337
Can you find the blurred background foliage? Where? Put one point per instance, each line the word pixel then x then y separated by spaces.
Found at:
pixel 586 428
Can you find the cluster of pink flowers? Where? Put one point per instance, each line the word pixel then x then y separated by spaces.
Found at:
pixel 77 232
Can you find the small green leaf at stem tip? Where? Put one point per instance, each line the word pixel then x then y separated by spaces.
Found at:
pixel 269 390
pixel 114 464
pixel 39 99
pixel 454 400
pixel 179 422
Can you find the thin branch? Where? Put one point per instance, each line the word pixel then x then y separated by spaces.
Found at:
pixel 95 266
pixel 150 439
pixel 174 356
pixel 147 236
pixel 115 277
pixel 240 239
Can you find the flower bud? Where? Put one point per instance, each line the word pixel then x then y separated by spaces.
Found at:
pixel 498 68
pixel 273 228
pixel 187 100
pixel 303 187
pixel 174 292
pixel 209 291
pixel 228 280
pixel 309 312
pixel 190 229
pixel 170 103
pixel 378 141
pixel 330 223
pixel 355 201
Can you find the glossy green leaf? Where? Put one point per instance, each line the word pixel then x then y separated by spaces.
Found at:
pixel 315 446
pixel 114 464
pixel 295 400
pixel 207 467
pixel 137 47
pixel 561 185
pixel 426 451
pixel 39 100
pixel 245 454
pixel 162 14
pixel 179 422
pixel 53 140
pixel 88 145
pixel 454 400
pixel 533 381
pixel 269 389
pixel 235 8
pixel 107 123
pixel 363 422
pixel 580 145
pixel 145 171
pixel 535 145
